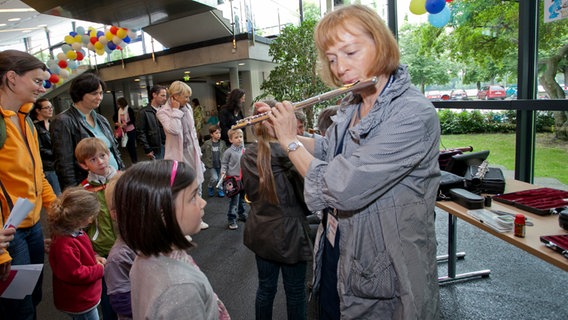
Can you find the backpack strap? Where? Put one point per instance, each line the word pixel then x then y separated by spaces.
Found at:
pixel 3 134
pixel 8 199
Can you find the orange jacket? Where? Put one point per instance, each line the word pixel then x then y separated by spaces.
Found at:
pixel 21 171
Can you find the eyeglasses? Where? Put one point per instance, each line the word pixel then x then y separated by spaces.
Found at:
pixel 48 107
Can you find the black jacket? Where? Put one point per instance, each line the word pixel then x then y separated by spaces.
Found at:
pixel 150 131
pixel 45 148
pixel 227 119
pixel 67 129
pixel 276 232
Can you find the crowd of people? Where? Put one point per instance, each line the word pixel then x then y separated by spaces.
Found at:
pixel 120 237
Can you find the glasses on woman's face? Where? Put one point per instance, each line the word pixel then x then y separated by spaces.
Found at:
pixel 47 108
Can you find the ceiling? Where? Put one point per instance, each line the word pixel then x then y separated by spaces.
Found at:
pixel 156 17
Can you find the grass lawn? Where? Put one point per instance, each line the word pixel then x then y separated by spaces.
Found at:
pixel 551 157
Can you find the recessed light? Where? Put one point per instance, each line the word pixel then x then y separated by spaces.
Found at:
pixel 187 72
pixel 137 79
pixel 241 64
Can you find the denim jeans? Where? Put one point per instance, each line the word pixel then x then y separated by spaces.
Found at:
pixel 294 279
pixel 26 248
pixel 51 177
pixel 236 206
pixel 160 156
pixel 92 314
pixel 214 174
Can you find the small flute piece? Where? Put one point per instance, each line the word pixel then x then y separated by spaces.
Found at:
pixel 310 101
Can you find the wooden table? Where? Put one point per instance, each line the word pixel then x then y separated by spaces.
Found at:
pixel 543 225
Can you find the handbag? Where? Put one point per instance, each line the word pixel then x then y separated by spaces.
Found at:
pixel 124 140
pixel 232 185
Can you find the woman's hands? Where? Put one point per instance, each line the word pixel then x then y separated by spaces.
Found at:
pixel 6 235
pixel 282 121
pixel 174 103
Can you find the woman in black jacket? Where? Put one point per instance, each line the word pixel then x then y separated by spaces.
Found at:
pixel 231 112
pixel 276 229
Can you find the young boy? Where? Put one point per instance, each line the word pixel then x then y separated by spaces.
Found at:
pixel 212 150
pixel 93 155
pixel 231 166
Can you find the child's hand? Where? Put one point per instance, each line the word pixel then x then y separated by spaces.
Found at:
pixel 46 245
pixel 101 260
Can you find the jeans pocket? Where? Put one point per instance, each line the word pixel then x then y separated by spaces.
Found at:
pixel 375 281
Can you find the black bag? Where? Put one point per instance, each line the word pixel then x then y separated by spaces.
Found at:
pixel 449 181
pixel 485 179
pixel 232 185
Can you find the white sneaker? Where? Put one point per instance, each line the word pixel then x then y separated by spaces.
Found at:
pixel 204 225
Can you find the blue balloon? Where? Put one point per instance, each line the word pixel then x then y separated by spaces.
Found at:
pixel 435 6
pixel 441 19
pixel 111 45
pixel 73 33
pixel 46 84
pixel 126 39
pixel 100 34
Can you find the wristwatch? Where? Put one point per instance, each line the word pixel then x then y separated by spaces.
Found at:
pixel 294 145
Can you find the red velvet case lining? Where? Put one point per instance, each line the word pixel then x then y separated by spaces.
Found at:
pixel 542 201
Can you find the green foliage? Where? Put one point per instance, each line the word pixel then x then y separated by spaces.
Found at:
pixel 294 78
pixel 476 121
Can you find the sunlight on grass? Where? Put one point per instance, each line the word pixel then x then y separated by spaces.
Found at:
pixel 550 159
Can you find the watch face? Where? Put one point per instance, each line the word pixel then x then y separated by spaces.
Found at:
pixel 293 146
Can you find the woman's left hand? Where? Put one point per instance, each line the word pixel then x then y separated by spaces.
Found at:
pixel 284 122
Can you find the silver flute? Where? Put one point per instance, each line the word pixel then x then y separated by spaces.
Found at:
pixel 248 121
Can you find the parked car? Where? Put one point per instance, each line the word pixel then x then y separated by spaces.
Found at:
pixel 458 94
pixel 436 95
pixel 491 93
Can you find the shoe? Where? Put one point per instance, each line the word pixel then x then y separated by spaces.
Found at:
pixel 204 225
pixel 233 226
pixel 220 193
pixel 211 191
pixel 242 218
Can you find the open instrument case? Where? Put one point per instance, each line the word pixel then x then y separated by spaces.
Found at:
pixel 542 201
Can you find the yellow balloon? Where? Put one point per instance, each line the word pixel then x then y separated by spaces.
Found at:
pixel 100 52
pixel 69 39
pixel 79 38
pixel 109 35
pixel 121 33
pixel 93 33
pixel 418 7
pixel 99 46
pixel 72 55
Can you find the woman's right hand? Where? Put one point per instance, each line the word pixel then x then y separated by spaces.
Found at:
pixel 174 103
pixel 6 235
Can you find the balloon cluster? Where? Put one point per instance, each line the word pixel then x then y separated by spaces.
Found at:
pixel 438 12
pixel 100 42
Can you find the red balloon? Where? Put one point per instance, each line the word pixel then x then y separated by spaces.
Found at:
pixel 80 56
pixel 113 30
pixel 62 64
pixel 93 40
pixel 54 78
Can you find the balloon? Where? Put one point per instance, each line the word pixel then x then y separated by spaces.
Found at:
pixel 103 40
pixel 65 48
pixel 126 39
pixel 121 33
pixel 100 52
pixel 116 40
pixel 435 6
pixel 100 34
pixel 55 69
pixel 64 74
pixel 93 34
pixel 72 55
pixel 62 64
pixel 50 64
pixel 441 19
pixel 77 45
pixel 99 45
pixel 80 30
pixel 54 78
pixel 69 39
pixel 79 38
pixel 86 39
pixel 91 47
pixel 113 30
pixel 72 65
pixel 131 34
pixel 109 35
pixel 80 56
pixel 47 84
pixel 93 40
pixel 111 45
pixel 73 34
pixel 61 56
pixel 418 7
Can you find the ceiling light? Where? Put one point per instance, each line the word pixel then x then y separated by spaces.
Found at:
pixel 137 79
pixel 17 10
pixel 241 64
pixel 14 19
pixel 2 24
pixel 187 72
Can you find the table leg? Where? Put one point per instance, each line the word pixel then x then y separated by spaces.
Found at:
pixel 453 256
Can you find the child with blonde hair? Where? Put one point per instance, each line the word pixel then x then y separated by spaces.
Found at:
pixel 77 270
pixel 93 155
pixel 119 262
pixel 231 167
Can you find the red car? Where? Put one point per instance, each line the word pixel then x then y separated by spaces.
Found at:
pixel 492 93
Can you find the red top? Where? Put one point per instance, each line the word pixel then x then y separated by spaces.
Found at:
pixel 77 276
